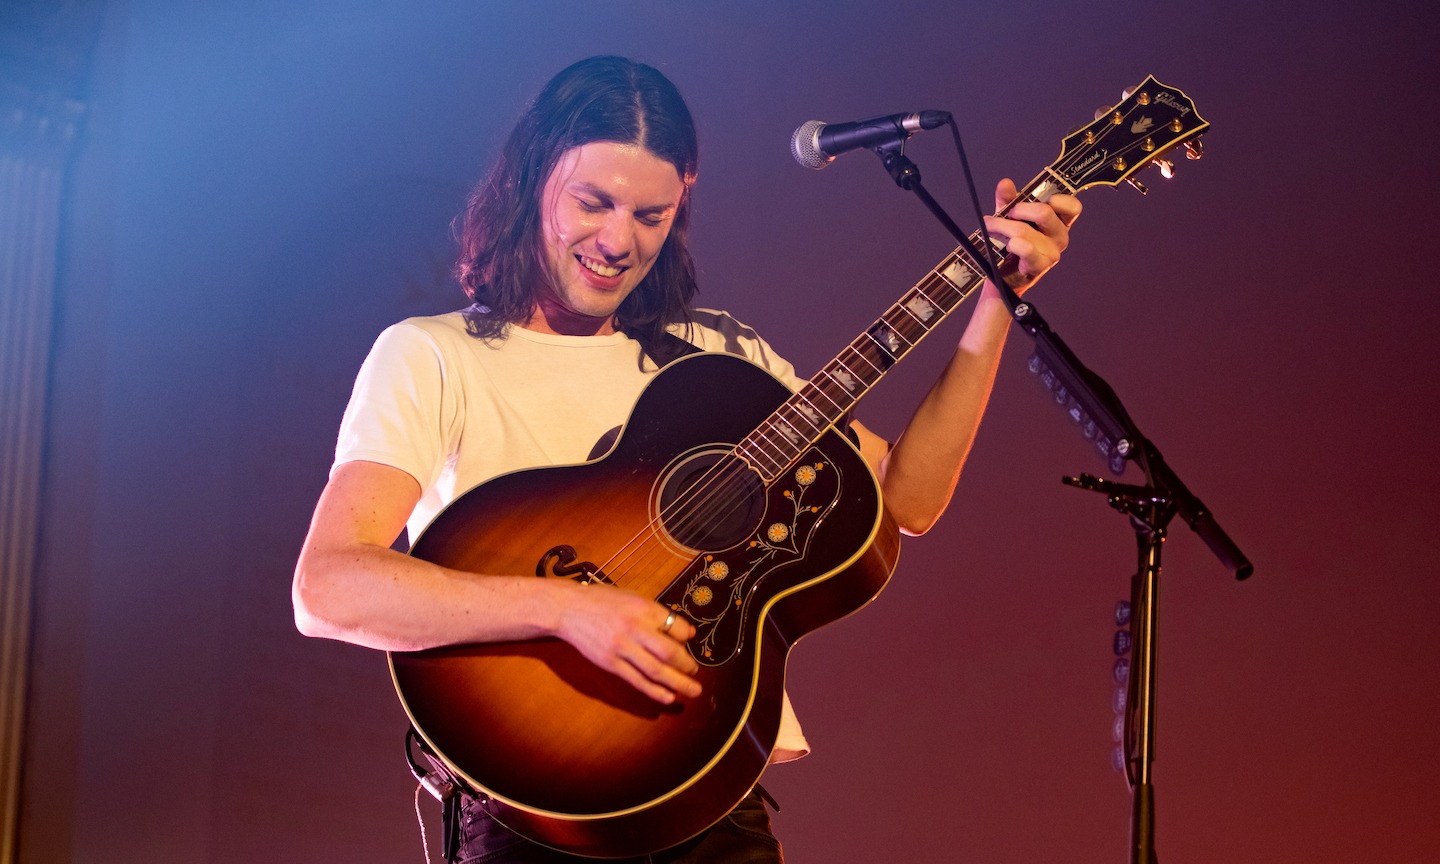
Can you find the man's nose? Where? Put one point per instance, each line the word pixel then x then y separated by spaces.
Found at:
pixel 617 237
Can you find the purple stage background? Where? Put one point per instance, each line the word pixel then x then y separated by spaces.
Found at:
pixel 263 186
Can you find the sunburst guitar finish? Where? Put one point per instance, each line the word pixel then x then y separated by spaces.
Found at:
pixel 572 756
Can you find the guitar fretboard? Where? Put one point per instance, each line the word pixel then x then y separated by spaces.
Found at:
pixel 833 392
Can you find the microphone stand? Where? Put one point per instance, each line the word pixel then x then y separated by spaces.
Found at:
pixel 1093 404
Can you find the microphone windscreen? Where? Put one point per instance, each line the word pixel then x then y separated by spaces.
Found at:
pixel 805 146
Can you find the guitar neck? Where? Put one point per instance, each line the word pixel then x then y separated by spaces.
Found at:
pixel 1152 119
pixel 833 392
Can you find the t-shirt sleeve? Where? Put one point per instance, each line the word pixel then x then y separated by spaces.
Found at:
pixel 399 405
pixel 719 331
pixel 790 743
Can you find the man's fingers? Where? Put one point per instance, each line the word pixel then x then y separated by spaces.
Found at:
pixel 632 675
pixel 673 659
pixel 636 639
pixel 1067 207
pixel 660 666
pixel 677 627
pixel 1005 192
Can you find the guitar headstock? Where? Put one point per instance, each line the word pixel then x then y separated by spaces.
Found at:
pixel 1150 121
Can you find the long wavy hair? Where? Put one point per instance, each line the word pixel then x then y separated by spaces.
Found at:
pixel 501 265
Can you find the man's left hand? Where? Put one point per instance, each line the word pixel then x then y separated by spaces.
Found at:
pixel 1035 233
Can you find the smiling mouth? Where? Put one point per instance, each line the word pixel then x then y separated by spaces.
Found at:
pixel 600 268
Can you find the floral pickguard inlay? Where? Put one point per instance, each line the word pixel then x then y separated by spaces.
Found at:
pixel 716 589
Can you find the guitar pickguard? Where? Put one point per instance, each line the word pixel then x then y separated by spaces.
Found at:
pixel 719 591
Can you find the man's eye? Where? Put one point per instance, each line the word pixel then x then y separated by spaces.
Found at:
pixel 590 206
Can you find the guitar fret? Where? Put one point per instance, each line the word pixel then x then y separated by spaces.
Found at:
pixel 796 409
pixel 756 456
pixel 791 433
pixel 906 326
pixel 743 451
pixel 920 309
pixel 848 378
pixel 935 285
pixel 786 449
pixel 909 315
pixel 847 382
pixel 881 335
pixel 874 367
pixel 839 411
pixel 766 440
pixel 961 278
pixel 943 290
pixel 867 350
pixel 769 457
pixel 810 411
pixel 889 347
pixel 871 349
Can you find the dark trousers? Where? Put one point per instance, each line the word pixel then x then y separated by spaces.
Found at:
pixel 742 837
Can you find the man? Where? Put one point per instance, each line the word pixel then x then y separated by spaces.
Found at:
pixel 574 252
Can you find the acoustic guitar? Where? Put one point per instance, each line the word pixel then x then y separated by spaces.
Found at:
pixel 730 500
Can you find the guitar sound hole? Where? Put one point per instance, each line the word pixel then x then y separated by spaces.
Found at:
pixel 711 500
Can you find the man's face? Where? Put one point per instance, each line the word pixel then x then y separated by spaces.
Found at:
pixel 606 210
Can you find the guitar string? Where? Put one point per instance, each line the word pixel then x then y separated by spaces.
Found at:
pixel 720 491
pixel 723 487
pixel 903 308
pixel 716 493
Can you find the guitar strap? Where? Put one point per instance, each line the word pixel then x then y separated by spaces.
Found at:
pixel 674 349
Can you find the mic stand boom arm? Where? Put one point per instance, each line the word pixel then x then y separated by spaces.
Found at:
pixel 1092 403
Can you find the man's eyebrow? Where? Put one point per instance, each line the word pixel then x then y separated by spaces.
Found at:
pixel 590 188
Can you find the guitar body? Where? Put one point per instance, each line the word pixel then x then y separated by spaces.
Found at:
pixel 570 755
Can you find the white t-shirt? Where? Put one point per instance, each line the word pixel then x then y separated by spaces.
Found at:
pixel 452 410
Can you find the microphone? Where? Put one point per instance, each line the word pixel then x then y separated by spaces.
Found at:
pixel 816 144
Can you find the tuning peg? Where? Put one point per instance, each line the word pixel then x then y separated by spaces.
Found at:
pixel 1137 186
pixel 1194 149
pixel 1167 168
pixel 1124 94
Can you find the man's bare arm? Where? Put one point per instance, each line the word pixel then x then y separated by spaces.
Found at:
pixel 349 585
pixel 918 474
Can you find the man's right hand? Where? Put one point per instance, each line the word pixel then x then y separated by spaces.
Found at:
pixel 625 634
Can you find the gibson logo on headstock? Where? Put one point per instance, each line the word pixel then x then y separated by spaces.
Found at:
pixel 1171 102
